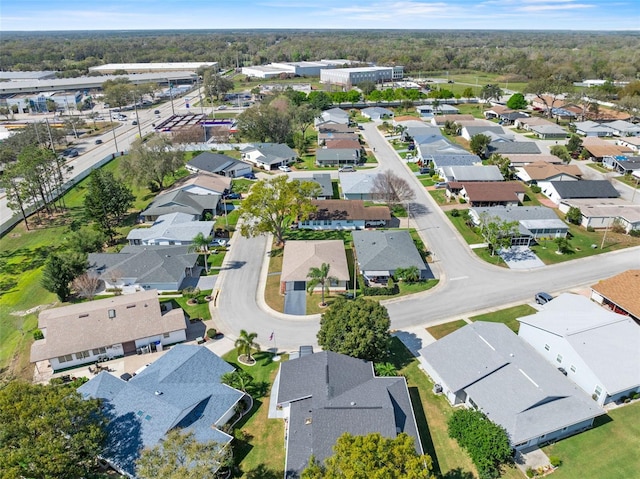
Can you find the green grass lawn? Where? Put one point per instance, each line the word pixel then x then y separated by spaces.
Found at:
pixel 597 167
pixel 440 196
pixel 471 236
pixel 200 310
pixel 441 330
pixel 426 180
pixel 628 180
pixel 314 235
pixel 241 185
pixel 507 316
pixel 608 451
pixel 471 109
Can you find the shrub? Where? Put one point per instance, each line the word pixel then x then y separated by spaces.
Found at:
pixel 590 229
pixel 618 228
pixel 530 472
pixel 536 189
pixel 37 334
pixel 462 201
pixel 455 213
pixel 212 333
pixel 555 461
pixel 634 233
pixel 635 395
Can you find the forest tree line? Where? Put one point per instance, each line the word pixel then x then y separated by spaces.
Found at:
pixel 520 56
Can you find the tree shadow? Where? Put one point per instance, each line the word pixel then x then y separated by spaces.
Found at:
pixel 234 265
pixel 263 472
pixel 423 428
pixel 458 473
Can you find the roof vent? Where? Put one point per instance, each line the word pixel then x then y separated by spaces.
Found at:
pixel 308 421
pixel 353 403
pixel 158 393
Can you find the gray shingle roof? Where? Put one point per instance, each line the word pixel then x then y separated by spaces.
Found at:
pixel 214 162
pixel 474 173
pixel 477 130
pixel 180 201
pixel 585 189
pixel 340 154
pixel 331 394
pixel 440 161
pixel 173 227
pixel 356 183
pixel 182 389
pixel 386 250
pixel 511 383
pixel 513 147
pixel 322 179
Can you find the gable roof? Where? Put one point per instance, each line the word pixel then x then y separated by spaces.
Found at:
pixel 333 127
pixel 510 147
pixel 511 383
pixel 474 173
pixel 441 161
pixel 585 189
pixel 339 154
pixel 483 130
pixel 541 170
pixel 180 201
pixel 271 153
pixel 202 179
pixel 599 149
pixel 301 256
pixel 85 326
pixel 529 217
pixel 181 389
pixel 356 183
pixel 442 119
pixel 386 250
pixel 330 394
pixel 214 162
pixel 322 179
pixel 523 159
pixel 548 129
pixel 493 191
pixel 343 143
pixel 623 290
pixel 348 210
pixel 173 227
pixel 607 342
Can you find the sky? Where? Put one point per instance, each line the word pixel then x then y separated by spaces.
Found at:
pixel 43 15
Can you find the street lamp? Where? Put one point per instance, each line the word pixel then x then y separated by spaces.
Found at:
pixel 113 130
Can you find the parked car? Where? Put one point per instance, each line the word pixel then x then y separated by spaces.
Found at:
pixel 70 153
pixel 347 169
pixel 220 242
pixel 543 298
pixel 426 171
pixel 249 176
pixel 134 123
pixel 284 168
pixel 156 112
pixel 98 141
pixel 441 184
pixel 233 196
pixel 222 107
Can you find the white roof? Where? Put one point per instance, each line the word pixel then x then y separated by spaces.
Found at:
pixel 168 66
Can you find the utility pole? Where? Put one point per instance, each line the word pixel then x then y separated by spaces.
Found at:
pixel 113 130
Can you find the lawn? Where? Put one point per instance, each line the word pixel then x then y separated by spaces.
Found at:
pixel 597 167
pixel 272 295
pixel 471 236
pixel 440 196
pixel 426 180
pixel 507 316
pixel 629 180
pixel 608 451
pixel 441 330
pixel 471 109
pixel 241 185
pixel 200 310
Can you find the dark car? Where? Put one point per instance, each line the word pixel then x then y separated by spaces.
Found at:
pixel 134 123
pixel 426 171
pixel 543 298
pixel 250 176
pixel 156 112
pixel 233 196
pixel 98 141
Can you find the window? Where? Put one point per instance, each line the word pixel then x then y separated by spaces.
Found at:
pixel 64 359
pixel 99 351
pixel 559 358
pixel 547 347
pixel 598 391
pixel 573 368
pixel 166 335
pixel 112 313
pixel 82 355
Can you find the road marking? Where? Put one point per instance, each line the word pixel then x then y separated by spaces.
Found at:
pixel 459 278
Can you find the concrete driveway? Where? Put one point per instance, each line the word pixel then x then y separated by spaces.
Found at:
pixel 295 298
pixel 520 257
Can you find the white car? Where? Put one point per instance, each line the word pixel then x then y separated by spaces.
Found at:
pixel 284 168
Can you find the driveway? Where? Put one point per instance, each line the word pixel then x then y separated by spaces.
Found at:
pixel 295 298
pixel 520 257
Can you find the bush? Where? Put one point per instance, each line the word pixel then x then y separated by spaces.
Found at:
pixel 555 461
pixel 455 213
pixel 635 395
pixel 462 201
pixel 212 333
pixel 536 189
pixel 590 229
pixel 530 472
pixel 634 233
pixel 37 334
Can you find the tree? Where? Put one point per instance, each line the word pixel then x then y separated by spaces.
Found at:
pixel 548 91
pixel 117 92
pixel 303 117
pixel 503 163
pixel 48 431
pixel 574 145
pixel 85 240
pixel 372 456
pixel 319 100
pixel 320 276
pixel 238 379
pixel 410 274
pixel 479 143
pixel 272 205
pixel 391 189
pixel 574 215
pixel 491 92
pixel 486 442
pixel 266 122
pixel 150 161
pixel 385 369
pixel 358 328
pixel 86 285
pixel 107 201
pixel 245 343
pixel 517 102
pixel 561 152
pixel 468 93
pixel 60 270
pixel 200 243
pixel 496 232
pixel 215 84
pixel 181 456
pixel 563 245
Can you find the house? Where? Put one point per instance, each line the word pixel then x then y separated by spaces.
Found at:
pixel 171 229
pixel 444 161
pixel 487 367
pixel 620 293
pixel 376 113
pixel 495 111
pixel 534 222
pixel 549 132
pixel 510 117
pixel 432 146
pixel 335 115
pixel 300 256
pixel 145 267
pixel 181 390
pixel 622 164
pixel 524 159
pixel 328 136
pixel 528 123
pixel 357 186
pixel 601 213
pixel 623 128
pixel 269 156
pixel 512 147
pixel 493 193
pixel 180 201
pixel 596 348
pixel 468 132
pixel 532 173
pixel 428 111
pixel 337 156
pixel 471 173
pixel 591 128
pixel 602 149
pixel 83 333
pixel 222 165
pixel 202 183
pixel 557 191
pixel 441 120
pixel 545 102
pixel 632 143
pixel 345 215
pixel 343 143
pixel 380 253
pixel 324 181
pixel 333 127
pixel 325 394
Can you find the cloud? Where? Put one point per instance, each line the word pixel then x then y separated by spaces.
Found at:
pixel 565 5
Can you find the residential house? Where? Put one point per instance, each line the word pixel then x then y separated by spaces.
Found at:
pixel 376 113
pixel 545 102
pixel 620 293
pixel 495 111
pixel 597 349
pixel 510 117
pixel 182 390
pixel 557 191
pixel 601 149
pixel 534 222
pixel 222 165
pixel 441 120
pixel 632 143
pixel 380 253
pixel 325 394
pixel 470 173
pixel 345 215
pixel 469 132
pixel 591 128
pixel 601 213
pixel 300 256
pixel 343 143
pixel 622 164
pixel 506 148
pixel 486 366
pixel 171 229
pixel 145 267
pixel 335 115
pixel 333 127
pixel 432 146
pixel 429 111
pixel 623 128
pixel 324 181
pixel 357 186
pixel 532 173
pixel 549 132
pixel 528 123
pixel 202 183
pixel 518 160
pixel 493 193
pixel 84 333
pixel 337 156
pixel 269 156
pixel 179 201
pixel 442 161
pixel 328 136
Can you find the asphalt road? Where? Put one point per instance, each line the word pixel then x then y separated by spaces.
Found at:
pixel 467 284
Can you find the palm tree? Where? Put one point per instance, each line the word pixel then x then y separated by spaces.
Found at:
pixel 385 369
pixel 200 243
pixel 245 343
pixel 320 276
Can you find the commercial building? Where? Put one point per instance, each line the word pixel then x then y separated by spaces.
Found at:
pixel 153 67
pixel 348 77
